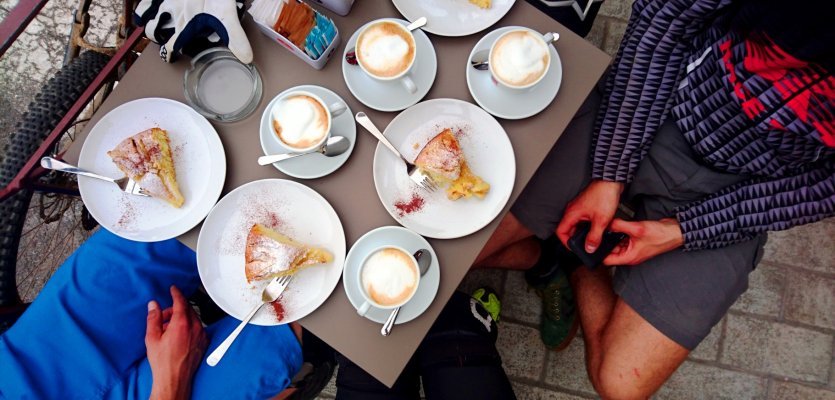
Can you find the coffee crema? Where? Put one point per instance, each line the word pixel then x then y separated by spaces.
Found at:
pixel 300 121
pixel 389 277
pixel 519 58
pixel 385 49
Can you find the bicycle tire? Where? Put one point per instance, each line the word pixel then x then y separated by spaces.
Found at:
pixel 43 114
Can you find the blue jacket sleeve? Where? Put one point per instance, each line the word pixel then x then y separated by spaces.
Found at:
pixel 639 90
pixel 742 211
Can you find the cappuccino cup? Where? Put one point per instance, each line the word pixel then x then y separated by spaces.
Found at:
pixel 388 278
pixel 520 58
pixel 386 51
pixel 301 121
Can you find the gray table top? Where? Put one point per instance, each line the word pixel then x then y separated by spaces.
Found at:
pixel 335 321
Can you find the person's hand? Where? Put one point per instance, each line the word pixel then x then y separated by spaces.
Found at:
pixel 175 343
pixel 191 26
pixel 646 239
pixel 596 204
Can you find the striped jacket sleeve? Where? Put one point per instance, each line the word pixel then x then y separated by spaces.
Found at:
pixel 742 211
pixel 649 64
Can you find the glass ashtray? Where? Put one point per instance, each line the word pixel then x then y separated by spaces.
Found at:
pixel 221 87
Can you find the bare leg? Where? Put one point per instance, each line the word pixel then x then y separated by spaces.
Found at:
pixel 519 255
pixel 509 231
pixel 626 357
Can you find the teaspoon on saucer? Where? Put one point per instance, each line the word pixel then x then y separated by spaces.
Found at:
pixel 335 146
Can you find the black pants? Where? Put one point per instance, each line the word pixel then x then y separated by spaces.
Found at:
pixel 456 360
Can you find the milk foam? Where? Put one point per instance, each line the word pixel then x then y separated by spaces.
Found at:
pixel 300 121
pixel 519 58
pixel 385 50
pixel 389 277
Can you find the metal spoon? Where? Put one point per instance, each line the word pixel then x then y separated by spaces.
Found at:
pixel 424 259
pixel 335 146
pixel 351 55
pixel 480 58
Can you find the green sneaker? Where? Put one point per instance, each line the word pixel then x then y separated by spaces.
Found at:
pixel 488 299
pixel 559 313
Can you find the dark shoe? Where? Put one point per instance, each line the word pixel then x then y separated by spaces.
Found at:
pixel 559 312
pixel 317 370
pixel 553 257
pixel 489 300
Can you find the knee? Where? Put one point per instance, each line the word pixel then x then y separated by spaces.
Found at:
pixel 613 383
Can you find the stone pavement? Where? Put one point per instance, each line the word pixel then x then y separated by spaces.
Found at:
pixel 776 343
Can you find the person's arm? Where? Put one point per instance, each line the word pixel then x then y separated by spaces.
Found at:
pixel 742 211
pixel 175 341
pixel 643 78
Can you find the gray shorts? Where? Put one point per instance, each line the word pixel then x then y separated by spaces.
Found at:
pixel 682 294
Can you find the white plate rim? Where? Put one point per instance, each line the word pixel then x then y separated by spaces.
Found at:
pixel 456 34
pixel 336 256
pixel 505 198
pixel 435 265
pixel 421 92
pixel 343 158
pixel 213 192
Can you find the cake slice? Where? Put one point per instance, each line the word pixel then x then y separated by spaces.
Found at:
pixel 146 158
pixel 443 159
pixel 270 254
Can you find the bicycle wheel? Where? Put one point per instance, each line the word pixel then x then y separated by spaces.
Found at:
pixel 44 113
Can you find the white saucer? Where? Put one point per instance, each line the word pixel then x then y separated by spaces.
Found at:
pixel 392 96
pixel 316 165
pixel 453 17
pixel 399 236
pixel 507 103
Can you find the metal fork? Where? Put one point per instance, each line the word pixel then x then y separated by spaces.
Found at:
pixel 125 184
pixel 271 293
pixel 415 173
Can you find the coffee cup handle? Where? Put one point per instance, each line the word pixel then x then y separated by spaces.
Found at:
pixel 551 37
pixel 409 84
pixel 337 108
pixel 363 309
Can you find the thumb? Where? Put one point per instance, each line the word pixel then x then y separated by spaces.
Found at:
pixel 595 235
pixel 154 328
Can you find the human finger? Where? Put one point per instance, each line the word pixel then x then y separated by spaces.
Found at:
pixel 633 229
pixel 598 226
pixel 566 227
pixel 154 324
pixel 180 304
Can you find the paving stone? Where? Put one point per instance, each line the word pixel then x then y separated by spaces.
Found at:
pixel 524 391
pixel 476 278
pixel 791 390
pixel 616 9
pixel 777 348
pixel 808 246
pixel 567 368
pixel 519 303
pixel 810 299
pixel 597 33
pixel 330 389
pixel 698 381
pixel 765 291
pixel 522 352
pixel 708 349
pixel 614 34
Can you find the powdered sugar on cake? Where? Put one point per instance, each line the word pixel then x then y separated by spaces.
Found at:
pixel 253 207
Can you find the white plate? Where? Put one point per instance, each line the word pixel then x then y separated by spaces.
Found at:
pixel 199 160
pixel 453 17
pixel 398 236
pixel 486 148
pixel 315 165
pixel 507 103
pixel 293 209
pixel 392 95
